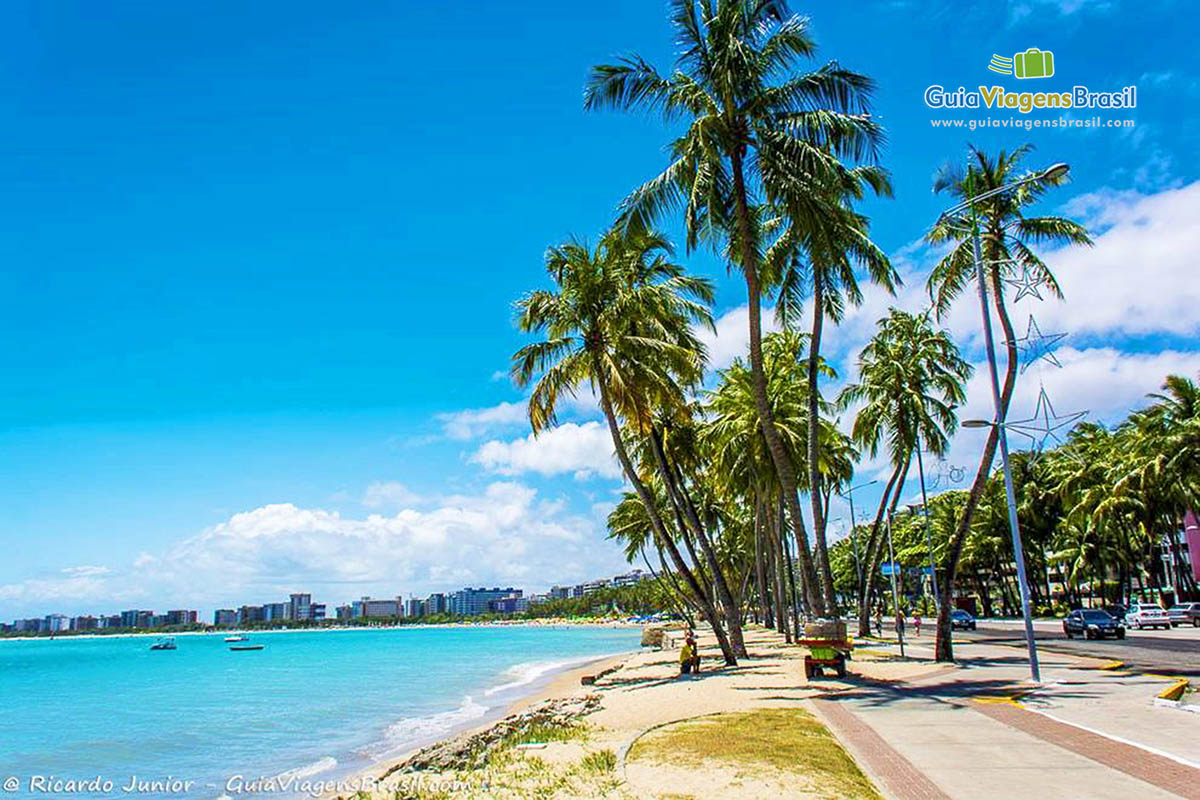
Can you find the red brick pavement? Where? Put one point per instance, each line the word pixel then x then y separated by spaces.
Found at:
pixel 1160 771
pixel 902 780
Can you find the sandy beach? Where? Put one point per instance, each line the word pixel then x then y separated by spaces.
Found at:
pixel 641 696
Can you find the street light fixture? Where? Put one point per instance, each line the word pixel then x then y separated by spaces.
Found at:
pixel 1054 172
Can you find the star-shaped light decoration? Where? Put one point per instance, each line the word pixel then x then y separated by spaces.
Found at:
pixel 1043 427
pixel 1037 346
pixel 1026 285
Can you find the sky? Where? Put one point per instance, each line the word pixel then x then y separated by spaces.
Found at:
pixel 257 267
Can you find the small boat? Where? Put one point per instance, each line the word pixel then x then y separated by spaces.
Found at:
pixel 163 644
pixel 238 638
pixel 239 647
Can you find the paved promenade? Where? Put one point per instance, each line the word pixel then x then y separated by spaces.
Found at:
pixel 982 730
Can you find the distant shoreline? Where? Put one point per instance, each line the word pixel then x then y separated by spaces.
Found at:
pixel 541 622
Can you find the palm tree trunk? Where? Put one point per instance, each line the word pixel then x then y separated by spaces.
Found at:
pixel 686 509
pixel 944 650
pixel 866 587
pixel 785 624
pixel 824 571
pixel 760 575
pixel 656 523
pixel 779 455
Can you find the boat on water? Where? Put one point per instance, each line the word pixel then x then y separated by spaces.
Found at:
pixel 238 638
pixel 163 644
pixel 239 647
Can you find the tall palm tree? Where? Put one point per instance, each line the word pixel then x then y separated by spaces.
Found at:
pixel 753 121
pixel 1007 236
pixel 910 379
pixel 820 245
pixel 620 319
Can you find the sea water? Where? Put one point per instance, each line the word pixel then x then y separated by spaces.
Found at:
pixel 323 704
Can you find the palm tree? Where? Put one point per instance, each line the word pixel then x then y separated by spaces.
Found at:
pixel 834 239
pixel 1006 235
pixel 911 378
pixel 752 124
pixel 619 319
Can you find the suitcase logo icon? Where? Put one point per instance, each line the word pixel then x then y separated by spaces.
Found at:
pixel 1033 63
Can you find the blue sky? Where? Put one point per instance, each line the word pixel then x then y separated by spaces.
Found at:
pixel 260 259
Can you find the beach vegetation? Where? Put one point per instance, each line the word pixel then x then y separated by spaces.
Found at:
pixel 788 741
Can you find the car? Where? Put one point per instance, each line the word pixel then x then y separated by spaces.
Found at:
pixel 1092 623
pixel 960 619
pixel 1117 611
pixel 1184 614
pixel 1147 615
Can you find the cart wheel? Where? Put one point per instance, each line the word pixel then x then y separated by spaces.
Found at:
pixel 818 672
pixel 841 667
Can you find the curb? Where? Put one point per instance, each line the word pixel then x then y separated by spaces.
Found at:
pixel 1173 692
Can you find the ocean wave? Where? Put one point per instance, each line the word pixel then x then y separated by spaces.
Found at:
pixel 315 768
pixel 409 732
pixel 530 671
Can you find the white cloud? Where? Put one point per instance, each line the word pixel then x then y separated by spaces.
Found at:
pixel 1141 277
pixel 732 337
pixel 86 571
pixel 582 449
pixel 505 535
pixel 391 494
pixel 471 423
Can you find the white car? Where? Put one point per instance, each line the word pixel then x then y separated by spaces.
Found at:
pixel 1147 615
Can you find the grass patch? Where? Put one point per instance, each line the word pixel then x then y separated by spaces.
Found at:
pixel 601 762
pixel 541 733
pixel 789 740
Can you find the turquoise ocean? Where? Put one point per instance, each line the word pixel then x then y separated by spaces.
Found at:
pixel 321 704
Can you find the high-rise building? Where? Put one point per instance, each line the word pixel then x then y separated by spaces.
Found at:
pixel 470 602
pixel 250 614
pixel 377 609
pixel 84 623
pixel 513 604
pixel 181 617
pixel 435 604
pixel 55 623
pixel 345 612
pixel 225 617
pixel 629 578
pixel 300 606
pixel 317 612
pixel 276 612
pixel 414 608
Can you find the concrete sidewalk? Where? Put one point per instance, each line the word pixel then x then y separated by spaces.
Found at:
pixel 982 730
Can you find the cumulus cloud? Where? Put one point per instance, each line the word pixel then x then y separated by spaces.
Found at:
pixel 471 423
pixel 583 449
pixel 507 534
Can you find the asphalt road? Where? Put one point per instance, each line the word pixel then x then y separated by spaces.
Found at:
pixel 1175 652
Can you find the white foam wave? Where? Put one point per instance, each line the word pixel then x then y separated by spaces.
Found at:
pixel 315 768
pixel 526 673
pixel 408 732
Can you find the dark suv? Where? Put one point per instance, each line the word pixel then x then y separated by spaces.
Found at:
pixel 1093 624
pixel 961 619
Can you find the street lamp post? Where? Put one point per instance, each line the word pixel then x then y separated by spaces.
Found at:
pixel 849 495
pixel 928 531
pixel 895 592
pixel 1055 171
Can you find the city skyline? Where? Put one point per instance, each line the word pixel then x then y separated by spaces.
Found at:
pixel 301 607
